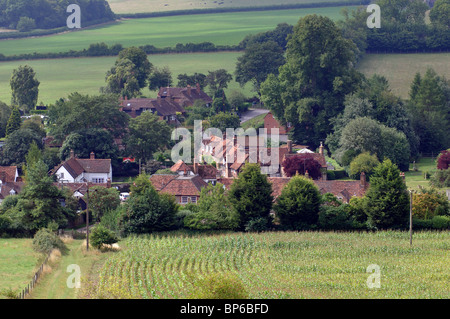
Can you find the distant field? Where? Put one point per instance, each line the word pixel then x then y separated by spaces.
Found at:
pixel 18 262
pixel 220 29
pixel 400 69
pixel 61 77
pixel 139 6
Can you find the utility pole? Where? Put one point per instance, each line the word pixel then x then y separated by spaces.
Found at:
pixel 410 216
pixel 87 217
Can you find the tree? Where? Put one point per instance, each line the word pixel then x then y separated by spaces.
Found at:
pixel 312 84
pixel 147 211
pixel 84 142
pixel 364 162
pixel 122 79
pixel 14 122
pixel 17 145
pixel 251 195
pixel 440 13
pixel 142 66
pixel 429 203
pixel 300 164
pixel 299 203
pixel 222 121
pixel 197 78
pixel 82 112
pixel 387 201
pixel 5 113
pixel 26 24
pixel 39 202
pixel 25 88
pixel 403 11
pixel 249 67
pixel 102 199
pixel 35 124
pixel 443 160
pixel 218 80
pixel 160 77
pixel 102 236
pixel 146 135
pixel 214 210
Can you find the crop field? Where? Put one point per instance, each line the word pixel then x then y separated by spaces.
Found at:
pixel 60 77
pixel 139 6
pixel 220 29
pixel 400 69
pixel 18 263
pixel 282 265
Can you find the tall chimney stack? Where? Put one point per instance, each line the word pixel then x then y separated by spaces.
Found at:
pixel 92 155
pixel 363 180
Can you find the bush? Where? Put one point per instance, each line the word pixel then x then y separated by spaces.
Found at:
pixel 45 241
pixel 258 225
pixel 218 286
pixel 26 24
pixel 334 218
pixel 440 222
pixel 102 236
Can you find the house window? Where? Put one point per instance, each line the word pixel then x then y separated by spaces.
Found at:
pixel 62 175
pixel 184 199
pixel 193 199
pixel 98 180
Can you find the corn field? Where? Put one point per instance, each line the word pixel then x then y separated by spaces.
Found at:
pixel 281 264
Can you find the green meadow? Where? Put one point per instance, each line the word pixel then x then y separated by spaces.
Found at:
pixel 220 29
pixel 60 77
pixel 18 263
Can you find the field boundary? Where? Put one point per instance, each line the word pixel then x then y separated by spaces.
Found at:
pixel 27 290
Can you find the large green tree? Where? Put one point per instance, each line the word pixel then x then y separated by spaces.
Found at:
pixel 251 195
pixel 14 122
pixel 146 135
pixel 81 112
pixel 250 68
pixel 24 88
pixel 299 203
pixel 387 201
pixel 440 13
pixel 313 82
pixel 17 145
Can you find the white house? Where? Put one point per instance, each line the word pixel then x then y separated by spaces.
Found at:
pixel 77 170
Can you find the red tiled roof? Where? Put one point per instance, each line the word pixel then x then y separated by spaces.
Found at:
pixel 8 173
pixel 76 166
pixel 180 166
pixel 7 187
pixel 178 185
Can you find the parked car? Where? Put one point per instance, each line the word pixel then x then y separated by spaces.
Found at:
pixel 124 196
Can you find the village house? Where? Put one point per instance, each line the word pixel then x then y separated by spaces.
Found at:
pixel 207 172
pixel 10 182
pixel 169 104
pixel 270 123
pixel 77 170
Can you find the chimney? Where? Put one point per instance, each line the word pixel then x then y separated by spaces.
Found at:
pixel 363 180
pixel 92 155
pixel 198 88
pixel 307 174
pixel 195 166
pixel 189 90
pixel 108 183
pixel 321 149
pixel 72 154
pixel 289 146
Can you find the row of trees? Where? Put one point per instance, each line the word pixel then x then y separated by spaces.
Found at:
pixel 26 15
pixel 249 206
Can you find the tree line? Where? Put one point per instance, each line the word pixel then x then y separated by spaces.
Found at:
pixel 26 15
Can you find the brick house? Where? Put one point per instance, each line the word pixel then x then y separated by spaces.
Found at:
pixel 10 182
pixel 270 122
pixel 185 188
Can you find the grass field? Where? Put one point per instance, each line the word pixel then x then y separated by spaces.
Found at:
pixel 139 6
pixel 414 179
pixel 18 263
pixel 400 69
pixel 221 29
pixel 282 265
pixel 61 77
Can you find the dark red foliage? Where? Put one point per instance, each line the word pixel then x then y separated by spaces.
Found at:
pixel 444 160
pixel 301 163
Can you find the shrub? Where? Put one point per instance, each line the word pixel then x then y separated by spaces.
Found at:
pixel 364 162
pixel 443 160
pixel 441 178
pixel 45 241
pixel 334 218
pixel 102 236
pixel 440 222
pixel 26 24
pixel 219 286
pixel 258 224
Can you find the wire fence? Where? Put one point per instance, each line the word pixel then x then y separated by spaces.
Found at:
pixel 26 291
